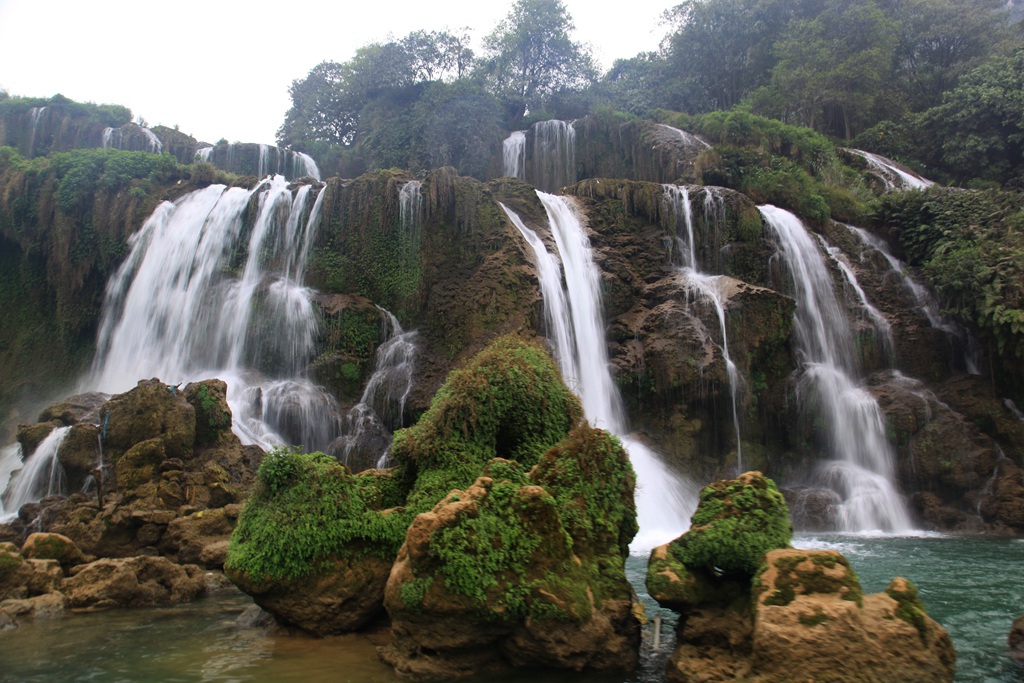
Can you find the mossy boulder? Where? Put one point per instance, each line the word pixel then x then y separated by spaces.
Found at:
pixel 509 401
pixel 736 522
pixel 51 546
pixel 133 582
pixel 521 569
pixel 313 546
pixel 209 398
pixel 79 455
pixel 812 622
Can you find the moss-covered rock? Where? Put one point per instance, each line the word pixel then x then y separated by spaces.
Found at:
pixel 152 410
pixel 49 546
pixel 736 522
pixel 312 545
pixel 521 569
pixel 508 402
pixel 209 398
pixel 813 623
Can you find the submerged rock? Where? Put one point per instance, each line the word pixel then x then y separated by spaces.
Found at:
pixel 1016 639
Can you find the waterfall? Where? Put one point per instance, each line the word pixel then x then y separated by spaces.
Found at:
pixel 10 463
pixel 895 178
pixel 34 115
pixel 576 329
pixel 175 311
pixel 381 409
pixel 705 287
pixel 40 476
pixel 860 458
pixel 513 155
pixel 303 165
pixel 926 303
pixel 881 326
pixel 202 154
pixel 155 146
pixel 108 138
pixel 689 139
pixel 554 155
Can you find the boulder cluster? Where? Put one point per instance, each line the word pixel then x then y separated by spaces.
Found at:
pixel 497 540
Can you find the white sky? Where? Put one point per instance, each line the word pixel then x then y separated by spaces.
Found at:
pixel 221 68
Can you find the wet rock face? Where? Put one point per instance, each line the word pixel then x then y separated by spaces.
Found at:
pixel 133 582
pixel 1016 639
pixel 151 411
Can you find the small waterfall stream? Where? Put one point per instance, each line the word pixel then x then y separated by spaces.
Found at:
pixel 554 155
pixel 40 475
pixel 895 178
pixel 575 323
pixel 706 287
pixel 513 155
pixel 860 464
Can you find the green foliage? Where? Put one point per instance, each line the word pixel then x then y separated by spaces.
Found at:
pixel 530 56
pixel 969 246
pixel 306 509
pixel 736 522
pixel 910 608
pixel 83 172
pixel 978 130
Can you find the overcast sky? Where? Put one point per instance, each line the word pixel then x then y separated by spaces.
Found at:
pixel 221 68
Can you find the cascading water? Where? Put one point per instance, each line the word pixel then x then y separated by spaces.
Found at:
pixel 203 153
pixel 10 463
pixel 554 155
pixel 513 155
pixel 40 475
pixel 113 138
pixel 860 465
pixel 410 212
pixel 173 312
pixel 895 178
pixel 706 287
pixel 35 114
pixel 381 409
pixel 926 303
pixel 576 329
pixel 689 139
pixel 881 326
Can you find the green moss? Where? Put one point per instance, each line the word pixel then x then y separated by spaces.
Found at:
pixel 306 509
pixel 9 562
pixel 412 592
pixel 735 523
pixel 909 606
pixel 791 579
pixel 508 402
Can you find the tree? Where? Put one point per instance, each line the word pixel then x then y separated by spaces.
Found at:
pixel 940 40
pixel 324 109
pixel 978 130
pixel 530 55
pixel 438 55
pixel 831 68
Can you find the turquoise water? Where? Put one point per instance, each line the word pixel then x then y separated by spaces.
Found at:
pixel 973 586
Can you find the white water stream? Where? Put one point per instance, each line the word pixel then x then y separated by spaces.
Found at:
pixel 576 329
pixel 707 288
pixel 174 311
pixel 39 476
pixel 513 155
pixel 860 458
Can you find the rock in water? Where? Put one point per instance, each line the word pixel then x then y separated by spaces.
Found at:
pixel 521 569
pixel 1016 639
pixel 752 609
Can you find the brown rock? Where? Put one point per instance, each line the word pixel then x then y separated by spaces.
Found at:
pixel 1016 639
pixel 342 597
pixel 133 582
pixel 812 622
pixel 152 410
pixel 52 546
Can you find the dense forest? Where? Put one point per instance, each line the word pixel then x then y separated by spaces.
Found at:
pixel 932 83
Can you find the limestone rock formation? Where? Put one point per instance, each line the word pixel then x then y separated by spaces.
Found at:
pixel 521 569
pixel 133 582
pixel 752 609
